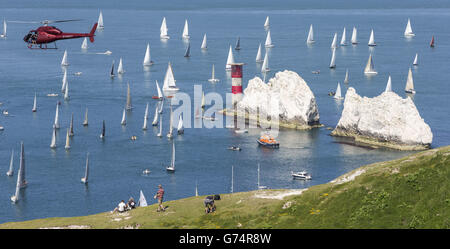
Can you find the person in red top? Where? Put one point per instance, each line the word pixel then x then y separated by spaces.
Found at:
pixel 160 196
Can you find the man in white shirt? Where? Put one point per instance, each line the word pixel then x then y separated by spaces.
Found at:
pixel 121 207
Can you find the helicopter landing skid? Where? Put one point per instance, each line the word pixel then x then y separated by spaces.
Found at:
pixel 40 46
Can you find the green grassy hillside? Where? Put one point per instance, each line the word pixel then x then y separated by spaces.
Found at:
pixel 410 192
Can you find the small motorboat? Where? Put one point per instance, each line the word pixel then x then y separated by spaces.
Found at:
pixel 77 73
pixel 301 175
pixel 268 141
pixel 52 95
pixel 5 112
pixel 316 72
pixel 235 148
pixel 241 131
pixel 146 172
pixel 2 128
pixel 133 138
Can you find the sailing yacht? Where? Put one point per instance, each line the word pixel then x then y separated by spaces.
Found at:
pixel 259 186
pixel 56 123
pixel 415 63
pixel 102 135
pixel 230 59
pixel 21 181
pixel 268 43
pixel 333 59
pixel 120 67
pixel 142 201
pixel 67 147
pixel 265 66
pixel 147 58
pixel 310 39
pixel 354 36
pixel 266 23
pixel 53 144
pixel 128 105
pixel 84 45
pixel 100 21
pixel 10 172
pixel 171 167
pixel 371 39
pixel 188 50
pixel 334 42
pixel 186 30
pixel 64 61
pixel 163 30
pixel 346 77
pixel 388 85
pixel 112 70
pixel 160 95
pixel 409 88
pixel 238 44
pixel 170 134
pixel 180 127
pixel 144 127
pixel 155 118
pixel 160 127
pixel 86 171
pixel 369 67
pixel 124 119
pixel 34 104
pixel 408 30
pixel 169 80
pixel 259 54
pixel 213 77
pixel 85 122
pixel 343 39
pixel 3 35
pixel 204 46
pixel 338 94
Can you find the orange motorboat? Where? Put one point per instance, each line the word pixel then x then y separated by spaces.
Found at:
pixel 268 141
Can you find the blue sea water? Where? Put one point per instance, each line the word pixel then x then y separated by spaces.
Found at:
pixel 54 188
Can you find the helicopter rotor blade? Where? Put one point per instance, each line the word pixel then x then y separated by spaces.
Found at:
pixel 23 21
pixel 57 21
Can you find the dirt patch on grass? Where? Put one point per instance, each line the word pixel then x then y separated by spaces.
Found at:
pixel 279 195
pixel 348 177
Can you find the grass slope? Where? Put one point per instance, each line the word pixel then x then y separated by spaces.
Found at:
pixel 410 192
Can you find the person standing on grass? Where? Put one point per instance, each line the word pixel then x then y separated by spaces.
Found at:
pixel 160 196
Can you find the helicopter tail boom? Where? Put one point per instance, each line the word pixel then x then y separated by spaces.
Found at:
pixel 92 33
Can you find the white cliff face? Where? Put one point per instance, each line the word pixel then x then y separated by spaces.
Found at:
pixel 385 118
pixel 286 95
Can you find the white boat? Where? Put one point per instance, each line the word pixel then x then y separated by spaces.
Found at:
pixel 124 117
pixel 354 36
pixel 301 175
pixel 259 185
pixel 333 58
pixel 146 171
pixel 66 92
pixel 338 94
pixel 64 61
pixel 169 80
pixel 160 127
pixel 240 131
pixel 155 118
pixel 343 39
pixel 238 44
pixel 56 123
pixel 266 23
pixel 86 171
pixel 102 135
pixel 416 62
pixel 409 88
pixel 52 95
pixel 188 50
pixel 408 30
pixel 186 30
pixel 334 42
pixel 67 147
pixel 234 148
pixel 21 181
pixel 120 67
pixel 100 21
pixel 34 104
pixel 268 43
pixel 77 73
pixel 310 38
pixel 71 127
pixel 128 105
pixel 204 46
pixel 259 54
pixel 147 58
pixel 163 30
pixel 85 122
pixel 3 35
pixel 171 167
pixel 142 202
pixel 371 39
pixel 180 127
pixel 170 134
pixel 213 77
pixel 265 66
pixel 144 127
pixel 112 70
pixel 10 171
pixel 84 45
pixel 53 143
pixel 388 85
pixel 346 77
pixel 230 59
pixel 369 69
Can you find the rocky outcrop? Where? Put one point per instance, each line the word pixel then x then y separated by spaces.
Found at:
pixel 386 120
pixel 286 95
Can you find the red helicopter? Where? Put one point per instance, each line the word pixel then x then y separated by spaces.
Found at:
pixel 43 35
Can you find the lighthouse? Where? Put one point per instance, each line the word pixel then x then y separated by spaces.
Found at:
pixel 236 82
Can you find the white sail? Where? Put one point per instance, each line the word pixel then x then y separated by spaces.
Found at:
pixel 213 75
pixel 155 117
pixel 120 67
pixel 230 59
pixel 371 39
pixel 266 23
pixel 147 58
pixel 268 43
pixel 344 38
pixel 416 62
pixel 160 95
pixel 409 88
pixel 338 94
pixel 56 123
pixel 169 80
pixel 180 127
pixel 161 106
pixel 112 70
pixel 259 54
pixel 346 77
pixel 172 162
pixel 388 85
pixel 408 29
pixel 84 45
pixel 4 29
pixel 144 127
pixel 160 126
pixel 310 38
pixel 53 143
pixel 34 104
pixel 334 42
pixel 265 65
pixel 64 61
pixel 196 188
pixel 102 135
pixel 66 92
pixel 163 30
pixel 67 140
pixel 354 36
pixel 142 200
pixel 204 46
pixel 333 59
pixel 124 117
pixel 64 81
pixel 10 171
pixel 186 30
pixel 170 134
pixel 85 122
pixel 128 105
pixel 370 67
pixel 100 21
pixel 86 171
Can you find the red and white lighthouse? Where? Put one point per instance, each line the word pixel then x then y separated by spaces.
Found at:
pixel 236 82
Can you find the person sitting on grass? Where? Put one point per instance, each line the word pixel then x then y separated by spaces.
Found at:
pixel 122 207
pixel 209 204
